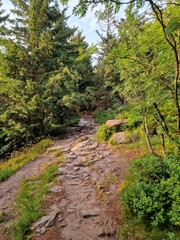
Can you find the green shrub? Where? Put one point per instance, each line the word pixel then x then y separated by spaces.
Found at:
pixel 73 121
pixel 102 116
pixel 133 115
pixel 56 130
pixel 152 194
pixel 103 133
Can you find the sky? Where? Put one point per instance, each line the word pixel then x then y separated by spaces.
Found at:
pixel 87 24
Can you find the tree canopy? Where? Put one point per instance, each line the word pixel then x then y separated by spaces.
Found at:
pixel 42 79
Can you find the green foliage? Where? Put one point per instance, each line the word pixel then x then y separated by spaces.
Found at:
pixel 151 195
pixel 44 83
pixel 101 116
pixel 107 73
pixel 29 201
pixel 103 133
pixel 15 163
pixel 172 26
pixel 146 76
pixel 133 115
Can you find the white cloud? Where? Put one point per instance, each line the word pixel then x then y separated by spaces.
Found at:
pixel 87 24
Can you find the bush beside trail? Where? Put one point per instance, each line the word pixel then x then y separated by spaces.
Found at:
pixel 151 196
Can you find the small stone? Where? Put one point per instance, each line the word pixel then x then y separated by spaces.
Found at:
pixel 55 189
pixel 55 148
pixel 60 219
pixel 70 177
pixel 119 137
pixel 86 178
pixel 4 207
pixel 43 230
pixel 73 184
pixel 76 168
pixel 70 211
pixel 76 227
pixel 55 208
pixel 89 213
pixel 84 138
pixel 79 145
pixel 92 147
pixel 40 223
pixel 52 218
pixel 106 154
pixel 62 178
pixel 86 174
pixel 63 203
pixel 38 230
pixel 66 150
pixel 82 164
pixel 62 171
pixel 70 156
pixel 63 224
pixel 82 123
pixel 101 231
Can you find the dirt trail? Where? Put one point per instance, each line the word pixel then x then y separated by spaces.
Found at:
pixel 83 205
pixel 9 188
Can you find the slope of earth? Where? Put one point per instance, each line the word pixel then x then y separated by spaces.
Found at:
pixel 83 205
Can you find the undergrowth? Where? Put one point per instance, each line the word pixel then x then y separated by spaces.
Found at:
pixel 102 116
pixel 150 199
pixel 15 163
pixel 103 133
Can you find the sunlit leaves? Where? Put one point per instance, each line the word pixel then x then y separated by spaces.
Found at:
pixel 172 26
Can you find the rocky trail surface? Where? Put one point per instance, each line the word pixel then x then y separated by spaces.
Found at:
pixel 83 204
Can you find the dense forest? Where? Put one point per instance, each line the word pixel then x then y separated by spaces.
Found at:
pixel 43 83
pixel 48 79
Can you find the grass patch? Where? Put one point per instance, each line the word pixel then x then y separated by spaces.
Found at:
pixel 15 163
pixel 3 217
pixel 30 198
pixel 103 133
pixel 57 153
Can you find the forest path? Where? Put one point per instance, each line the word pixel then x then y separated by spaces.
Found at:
pixel 83 205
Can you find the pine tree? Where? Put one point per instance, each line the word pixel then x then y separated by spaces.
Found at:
pixel 107 76
pixel 34 51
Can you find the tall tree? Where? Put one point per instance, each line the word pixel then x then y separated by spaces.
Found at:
pixel 34 51
pixel 107 76
pixel 168 25
pixel 161 12
pixel 43 85
pixel 141 58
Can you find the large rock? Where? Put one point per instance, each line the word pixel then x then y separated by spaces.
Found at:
pixel 114 123
pixel 119 137
pixel 41 225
